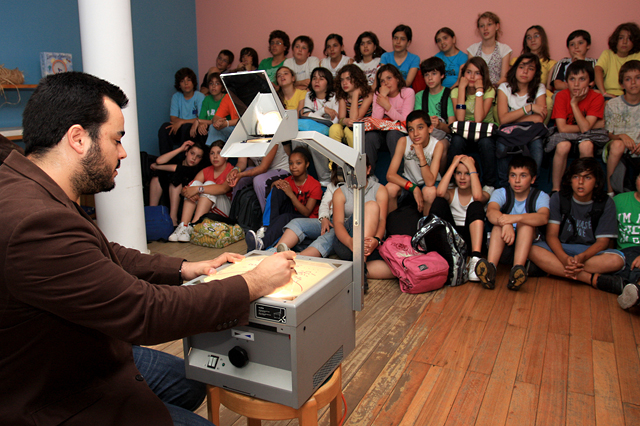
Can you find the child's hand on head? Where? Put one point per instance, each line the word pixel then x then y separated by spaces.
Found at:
pixel 186 145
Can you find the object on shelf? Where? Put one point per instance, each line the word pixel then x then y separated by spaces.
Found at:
pixel 11 78
pixel 55 63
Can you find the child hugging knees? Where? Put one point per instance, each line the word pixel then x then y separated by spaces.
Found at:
pixel 515 212
pixel 422 155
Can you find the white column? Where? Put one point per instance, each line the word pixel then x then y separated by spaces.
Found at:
pixel 107 52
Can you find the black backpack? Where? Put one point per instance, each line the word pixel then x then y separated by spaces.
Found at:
pixel 246 210
pixel 530 206
pixel 435 234
pixel 443 103
pixel 597 208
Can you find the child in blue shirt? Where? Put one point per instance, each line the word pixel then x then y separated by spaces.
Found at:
pixel 186 104
pixel 514 225
pixel 401 58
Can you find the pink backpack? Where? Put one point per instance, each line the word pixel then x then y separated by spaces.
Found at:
pixel 417 272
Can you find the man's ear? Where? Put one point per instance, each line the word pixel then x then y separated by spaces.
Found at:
pixel 77 138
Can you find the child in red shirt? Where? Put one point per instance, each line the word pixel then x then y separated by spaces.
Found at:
pixel 294 197
pixel 208 192
pixel 579 114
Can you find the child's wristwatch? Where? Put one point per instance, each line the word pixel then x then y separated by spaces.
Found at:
pixel 200 189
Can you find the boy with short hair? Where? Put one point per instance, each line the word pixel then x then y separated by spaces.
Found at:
pixel 214 126
pixel 279 45
pixel 186 104
pixel 579 115
pixel 582 222
pixel 436 99
pixel 302 62
pixel 622 120
pixel 515 211
pixel 578 43
pixel 223 62
pixel 422 154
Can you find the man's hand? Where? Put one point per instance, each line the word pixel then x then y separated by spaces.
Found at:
pixel 272 273
pixel 191 270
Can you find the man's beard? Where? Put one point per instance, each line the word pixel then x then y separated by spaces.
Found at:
pixel 95 176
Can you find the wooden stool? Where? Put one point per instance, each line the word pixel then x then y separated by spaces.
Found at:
pixel 257 409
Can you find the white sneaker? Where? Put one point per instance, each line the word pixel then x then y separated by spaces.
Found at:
pixel 185 236
pixel 472 269
pixel 175 236
pixel 260 232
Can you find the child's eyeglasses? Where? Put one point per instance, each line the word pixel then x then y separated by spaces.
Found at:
pixel 536 36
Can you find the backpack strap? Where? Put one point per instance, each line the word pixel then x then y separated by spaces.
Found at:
pixel 532 199
pixel 508 205
pixel 596 212
pixel 444 100
pixel 565 212
pixel 425 100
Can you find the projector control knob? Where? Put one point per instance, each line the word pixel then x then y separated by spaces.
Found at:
pixel 238 357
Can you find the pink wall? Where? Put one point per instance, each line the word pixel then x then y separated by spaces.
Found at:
pixel 236 24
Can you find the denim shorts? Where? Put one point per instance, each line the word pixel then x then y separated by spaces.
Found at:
pixel 307 228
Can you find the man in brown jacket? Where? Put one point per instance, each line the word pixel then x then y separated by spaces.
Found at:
pixel 71 303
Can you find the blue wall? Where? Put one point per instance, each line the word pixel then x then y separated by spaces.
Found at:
pixel 164 39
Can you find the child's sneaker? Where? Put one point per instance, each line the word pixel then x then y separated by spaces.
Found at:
pixel 282 247
pixel 253 241
pixel 517 277
pixel 260 232
pixel 486 272
pixel 185 237
pixel 472 269
pixel 630 296
pixel 177 234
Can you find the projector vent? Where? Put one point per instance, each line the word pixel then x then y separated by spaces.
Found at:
pixel 329 367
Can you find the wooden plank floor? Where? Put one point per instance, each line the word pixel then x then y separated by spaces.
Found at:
pixel 554 353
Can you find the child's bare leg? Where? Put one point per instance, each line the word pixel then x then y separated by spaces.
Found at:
pixel 187 211
pixel 616 150
pixel 174 202
pixel 311 252
pixel 290 239
pixel 476 229
pixel 524 240
pixel 586 149
pixel 559 164
pixel 155 191
pixel 203 207
pixel 546 260
pixel 379 270
pixel 428 196
pixel 394 193
pixel 496 246
pixel 604 263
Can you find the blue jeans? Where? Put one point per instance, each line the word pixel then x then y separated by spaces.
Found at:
pixel 311 229
pixel 486 148
pixel 215 134
pixel 341 250
pixel 165 376
pixel 536 152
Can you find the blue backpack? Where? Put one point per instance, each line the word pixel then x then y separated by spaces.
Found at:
pixel 158 223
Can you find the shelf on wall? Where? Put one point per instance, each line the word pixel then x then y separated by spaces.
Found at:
pixel 19 86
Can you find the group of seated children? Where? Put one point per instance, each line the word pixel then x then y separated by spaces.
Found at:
pixel 430 136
